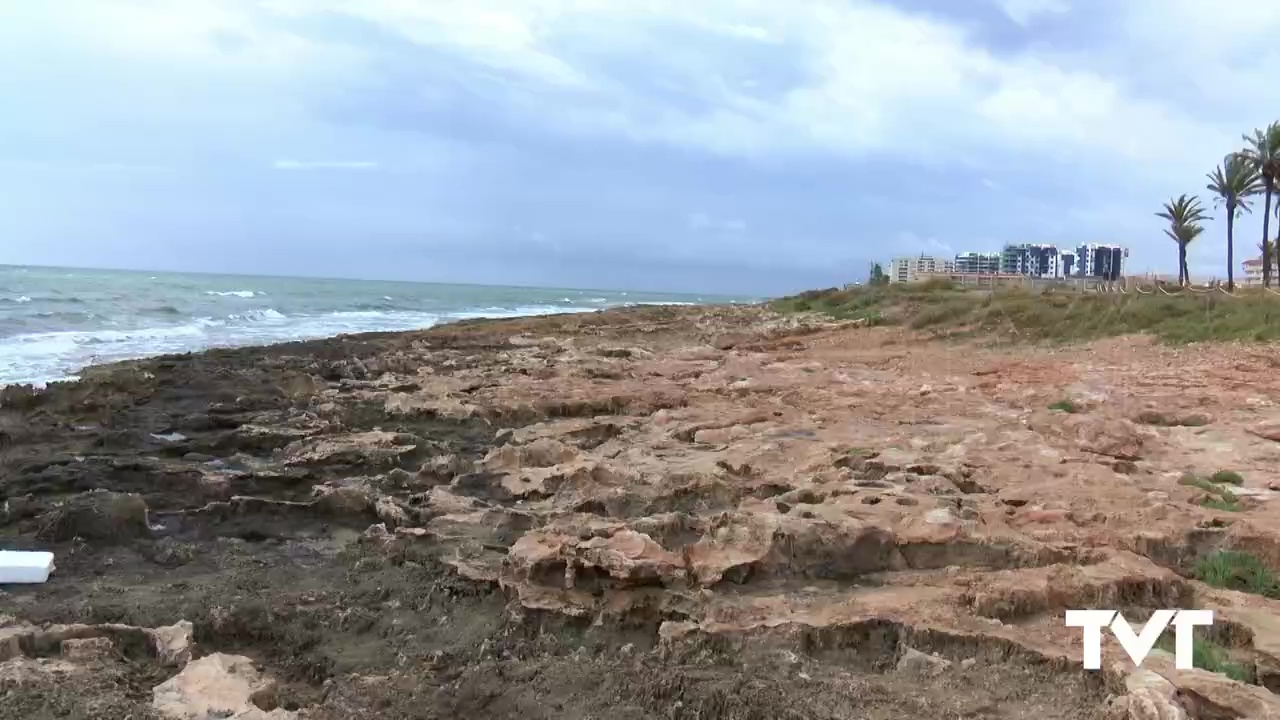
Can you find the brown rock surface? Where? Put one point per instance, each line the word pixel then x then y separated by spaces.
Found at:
pixel 218 685
pixel 655 512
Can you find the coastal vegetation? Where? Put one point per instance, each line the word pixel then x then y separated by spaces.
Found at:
pixel 1243 175
pixel 1050 315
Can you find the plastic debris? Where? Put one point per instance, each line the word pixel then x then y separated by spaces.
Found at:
pixel 172 437
pixel 25 567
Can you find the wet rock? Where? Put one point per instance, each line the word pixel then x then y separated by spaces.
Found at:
pixel 915 662
pixel 100 516
pixel 216 686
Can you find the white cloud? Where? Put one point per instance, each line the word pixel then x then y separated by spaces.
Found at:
pixel 870 79
pixel 1026 12
pixel 864 77
pixel 323 165
pixel 1135 99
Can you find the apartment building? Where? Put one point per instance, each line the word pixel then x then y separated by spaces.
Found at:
pixel 976 263
pixel 1101 261
pixel 1032 260
pixel 905 269
pixel 1253 271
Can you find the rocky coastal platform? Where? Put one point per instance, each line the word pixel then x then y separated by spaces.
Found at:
pixel 657 512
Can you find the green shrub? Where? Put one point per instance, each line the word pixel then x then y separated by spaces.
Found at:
pixel 1059 316
pixel 1223 504
pixel 1236 570
pixel 1218 497
pixel 1212 657
pixel 1228 477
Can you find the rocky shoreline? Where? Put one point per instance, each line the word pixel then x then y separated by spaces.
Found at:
pixel 644 513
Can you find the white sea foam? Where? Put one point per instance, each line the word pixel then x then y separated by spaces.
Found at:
pixel 233 293
pixel 264 315
pixel 21 299
pixel 40 358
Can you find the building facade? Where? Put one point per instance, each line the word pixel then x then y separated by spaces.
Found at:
pixel 905 269
pixel 1101 261
pixel 975 263
pixel 1034 260
pixel 1253 271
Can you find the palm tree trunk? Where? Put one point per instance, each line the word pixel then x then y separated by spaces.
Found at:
pixel 1266 236
pixel 1182 265
pixel 1231 247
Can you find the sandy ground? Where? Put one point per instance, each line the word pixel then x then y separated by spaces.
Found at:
pixel 650 513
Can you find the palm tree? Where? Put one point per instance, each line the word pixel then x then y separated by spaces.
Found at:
pixel 1262 151
pixel 1184 213
pixel 1234 182
pixel 1266 251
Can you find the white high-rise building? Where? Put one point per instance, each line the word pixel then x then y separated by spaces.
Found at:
pixel 906 269
pixel 976 263
pixel 1044 261
pixel 1101 261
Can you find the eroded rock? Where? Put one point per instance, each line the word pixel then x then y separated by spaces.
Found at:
pixel 216 686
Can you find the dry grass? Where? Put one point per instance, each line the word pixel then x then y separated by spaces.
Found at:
pixel 1052 316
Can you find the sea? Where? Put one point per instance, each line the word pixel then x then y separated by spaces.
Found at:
pixel 56 321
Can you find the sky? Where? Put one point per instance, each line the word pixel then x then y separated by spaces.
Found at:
pixel 736 146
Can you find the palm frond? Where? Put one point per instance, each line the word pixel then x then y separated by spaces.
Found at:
pixel 1185 214
pixel 1262 152
pixel 1234 182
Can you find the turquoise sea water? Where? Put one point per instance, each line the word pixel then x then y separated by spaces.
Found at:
pixel 54 321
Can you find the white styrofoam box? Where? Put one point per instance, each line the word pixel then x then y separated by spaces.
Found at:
pixel 26 567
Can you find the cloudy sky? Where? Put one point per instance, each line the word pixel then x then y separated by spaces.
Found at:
pixel 753 146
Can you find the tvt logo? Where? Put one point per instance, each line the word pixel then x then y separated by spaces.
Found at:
pixel 1139 645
